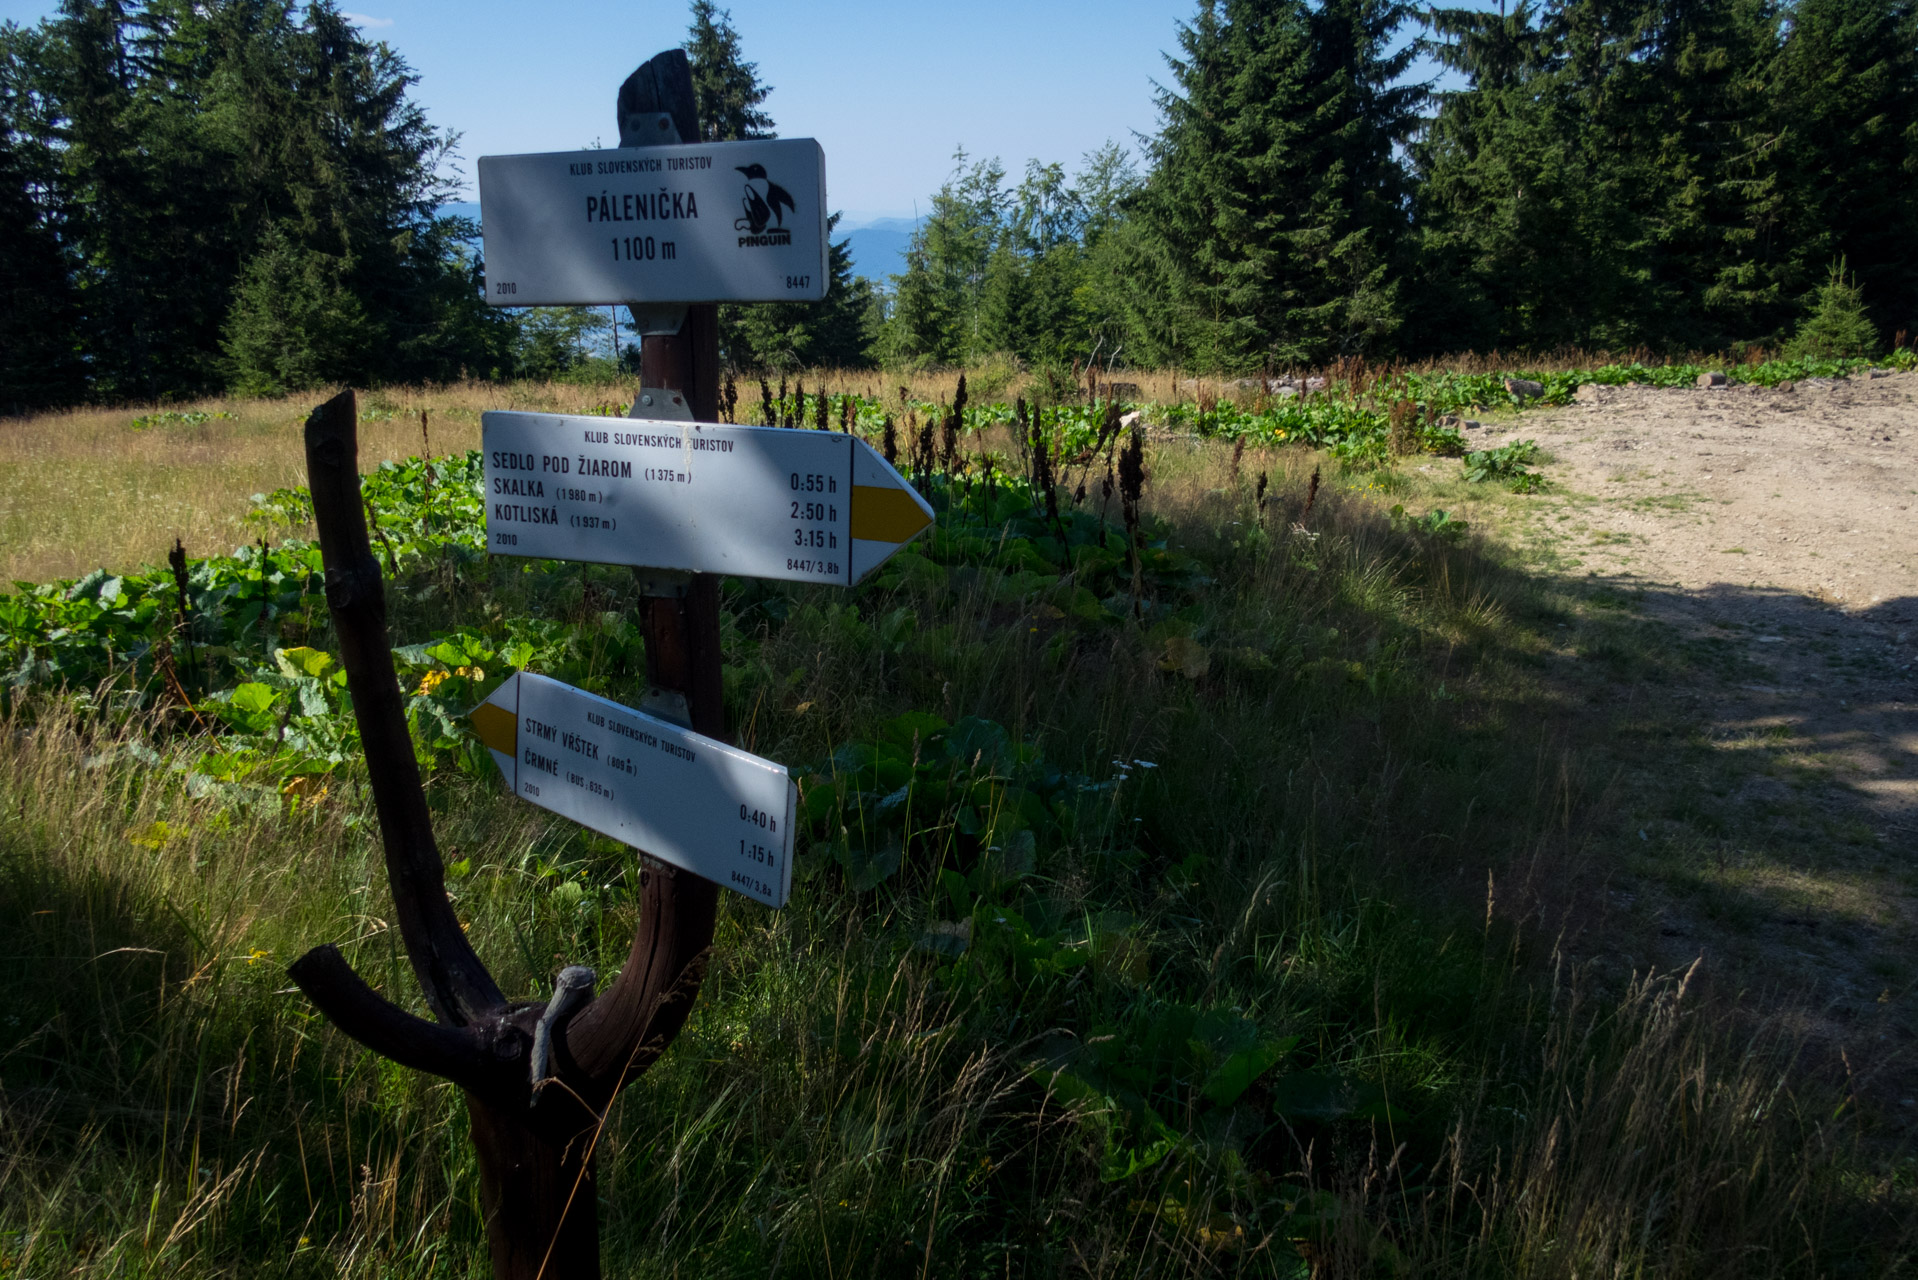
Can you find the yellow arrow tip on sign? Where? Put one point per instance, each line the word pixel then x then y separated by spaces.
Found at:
pixel 497 727
pixel 885 514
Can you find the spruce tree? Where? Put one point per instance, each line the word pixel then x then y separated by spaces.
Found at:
pixel 777 334
pixel 794 335
pixel 295 323
pixel 1709 200
pixel 923 322
pixel 1608 177
pixel 200 145
pixel 1844 91
pixel 119 209
pixel 725 86
pixel 1837 326
pixel 1504 213
pixel 936 315
pixel 1106 184
pixel 1033 300
pixel 1275 218
pixel 39 308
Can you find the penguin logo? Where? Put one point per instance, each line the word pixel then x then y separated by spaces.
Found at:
pixel 761 201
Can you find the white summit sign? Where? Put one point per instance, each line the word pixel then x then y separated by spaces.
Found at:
pixel 703 222
pixel 750 502
pixel 687 799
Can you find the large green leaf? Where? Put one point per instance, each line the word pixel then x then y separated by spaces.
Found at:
pixel 1236 1074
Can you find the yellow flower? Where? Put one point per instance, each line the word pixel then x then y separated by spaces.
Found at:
pixel 432 681
pixel 308 787
pixel 258 955
pixel 471 673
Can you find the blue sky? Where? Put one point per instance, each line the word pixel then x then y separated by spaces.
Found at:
pixel 889 89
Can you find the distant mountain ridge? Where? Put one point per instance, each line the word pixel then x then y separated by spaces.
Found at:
pixel 879 247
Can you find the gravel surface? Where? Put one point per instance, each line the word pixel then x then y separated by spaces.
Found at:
pixel 1781 520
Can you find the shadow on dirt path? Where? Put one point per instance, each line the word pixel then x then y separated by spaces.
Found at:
pixel 1752 755
pixel 1742 664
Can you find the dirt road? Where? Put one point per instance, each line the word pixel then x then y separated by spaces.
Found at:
pixel 1783 521
pixel 1761 809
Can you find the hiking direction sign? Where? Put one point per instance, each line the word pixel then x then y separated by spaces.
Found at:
pixel 750 502
pixel 687 799
pixel 701 222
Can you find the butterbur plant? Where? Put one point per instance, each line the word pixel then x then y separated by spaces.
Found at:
pixel 925 797
pixel 1157 1060
pixel 1506 465
pixel 1437 523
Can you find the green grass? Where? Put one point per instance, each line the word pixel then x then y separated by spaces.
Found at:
pixel 1265 984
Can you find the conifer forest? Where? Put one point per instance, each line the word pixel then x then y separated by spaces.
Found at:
pixel 1607 175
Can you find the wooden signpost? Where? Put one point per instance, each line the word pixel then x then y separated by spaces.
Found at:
pixel 537 1174
pixel 540 1078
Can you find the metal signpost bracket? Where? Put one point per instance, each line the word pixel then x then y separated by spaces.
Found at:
pixel 658 319
pixel 661 404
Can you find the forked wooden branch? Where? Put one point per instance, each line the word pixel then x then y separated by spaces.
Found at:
pixel 458 988
pixel 535 1162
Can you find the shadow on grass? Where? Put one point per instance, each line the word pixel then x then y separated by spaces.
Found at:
pixel 162 1107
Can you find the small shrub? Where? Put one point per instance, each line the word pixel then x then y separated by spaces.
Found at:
pixel 1837 326
pixel 993 375
pixel 1506 465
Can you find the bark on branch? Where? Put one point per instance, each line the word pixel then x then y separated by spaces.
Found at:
pixel 458 988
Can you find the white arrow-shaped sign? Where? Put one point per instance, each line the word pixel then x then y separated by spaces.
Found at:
pixel 753 502
pixel 687 799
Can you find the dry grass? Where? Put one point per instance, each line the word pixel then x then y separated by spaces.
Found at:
pixel 84 489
